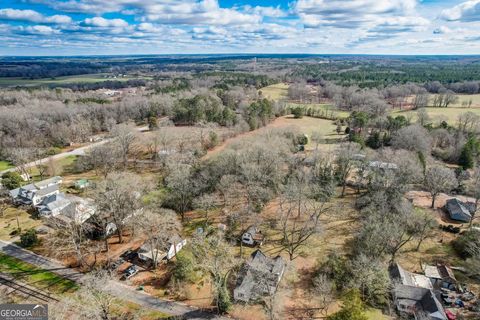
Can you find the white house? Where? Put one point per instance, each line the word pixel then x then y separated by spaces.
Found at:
pixel 175 244
pixel 32 194
pixel 252 236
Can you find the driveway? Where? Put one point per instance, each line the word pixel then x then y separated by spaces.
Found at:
pixel 114 287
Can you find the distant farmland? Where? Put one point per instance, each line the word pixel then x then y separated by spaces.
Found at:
pixel 87 78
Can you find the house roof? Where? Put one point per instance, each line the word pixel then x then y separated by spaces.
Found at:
pixel 409 278
pixel 261 262
pixel 446 272
pixel 47 190
pixel 422 298
pixel 47 182
pixel 460 210
pixel 258 276
pixel 53 202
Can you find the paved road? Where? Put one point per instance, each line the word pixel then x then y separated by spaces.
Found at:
pixel 114 287
pixel 75 152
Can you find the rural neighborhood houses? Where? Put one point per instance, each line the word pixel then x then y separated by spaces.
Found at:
pixel 258 277
pixel 32 194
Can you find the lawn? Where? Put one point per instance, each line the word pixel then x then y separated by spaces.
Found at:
pixel 4 165
pixel 323 110
pixel 462 98
pixel 8 222
pixel 39 278
pixel 450 114
pixel 277 91
pixel 86 78
pixel 61 166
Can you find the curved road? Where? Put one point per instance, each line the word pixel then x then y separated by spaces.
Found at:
pixel 114 287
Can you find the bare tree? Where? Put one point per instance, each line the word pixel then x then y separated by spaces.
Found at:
pixel 345 162
pixel 158 228
pixel 104 158
pixel 118 200
pixel 182 188
pixel 414 138
pixel 299 213
pixel 424 225
pixel 323 292
pixel 124 136
pixel 71 239
pixel 439 179
pixel 215 257
pixel 423 118
pixel 205 203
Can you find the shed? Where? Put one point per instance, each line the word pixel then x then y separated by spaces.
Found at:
pixel 459 210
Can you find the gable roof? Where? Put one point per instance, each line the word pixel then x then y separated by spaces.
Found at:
pixel 259 276
pixel 409 278
pixel 420 298
pixel 459 210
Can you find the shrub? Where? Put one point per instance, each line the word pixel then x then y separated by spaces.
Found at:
pixel 352 309
pixel 28 238
pixel 223 300
pixel 11 180
pixel 184 270
pixel 298 112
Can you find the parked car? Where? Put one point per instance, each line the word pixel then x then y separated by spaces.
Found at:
pixel 116 264
pixel 129 255
pixel 130 272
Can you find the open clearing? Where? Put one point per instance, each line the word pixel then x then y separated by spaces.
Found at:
pixel 307 125
pixel 324 110
pixel 277 91
pixel 87 78
pixel 450 114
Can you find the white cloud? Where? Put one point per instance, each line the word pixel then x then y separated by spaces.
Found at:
pixel 105 23
pixel 38 30
pixel 32 16
pixel 350 14
pixel 467 12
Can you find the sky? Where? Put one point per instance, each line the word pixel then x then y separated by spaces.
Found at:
pixel 108 27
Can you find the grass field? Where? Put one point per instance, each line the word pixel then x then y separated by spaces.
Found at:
pixel 462 98
pixel 39 278
pixel 8 222
pixel 87 78
pixel 4 165
pixel 450 114
pixel 277 91
pixel 323 110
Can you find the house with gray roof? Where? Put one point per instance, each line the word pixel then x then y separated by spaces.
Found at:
pixel 32 194
pixel 414 301
pixel 258 277
pixel 413 295
pixel 64 209
pixel 459 210
pixel 52 205
pixel 402 276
